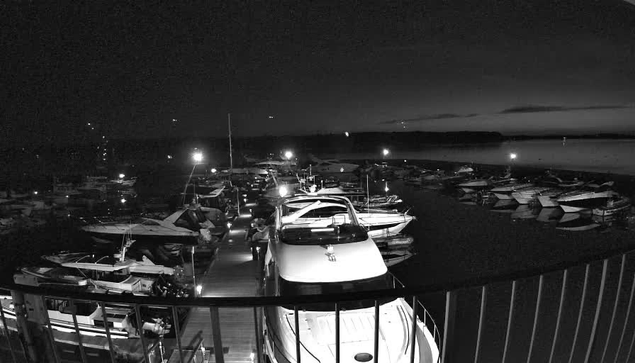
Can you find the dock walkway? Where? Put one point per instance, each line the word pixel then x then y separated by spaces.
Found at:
pixel 234 272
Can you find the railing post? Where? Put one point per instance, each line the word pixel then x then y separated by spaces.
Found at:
pixel 376 339
pixel 617 299
pixel 448 324
pixel 337 333
pixel 296 324
pixel 177 332
pixel 413 331
pixel 140 331
pixel 598 308
pixel 23 325
pixel 563 290
pixel 535 325
pixel 582 298
pixel 509 319
pixel 628 314
pixel 481 322
pixel 6 331
pixel 218 342
pixel 111 347
pixel 50 331
pixel 82 352
pixel 258 324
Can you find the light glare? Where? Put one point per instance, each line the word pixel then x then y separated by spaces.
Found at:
pixel 386 152
pixel 197 156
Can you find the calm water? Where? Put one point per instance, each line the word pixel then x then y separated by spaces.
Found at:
pixel 602 155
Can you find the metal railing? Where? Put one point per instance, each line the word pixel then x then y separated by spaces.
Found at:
pixel 579 311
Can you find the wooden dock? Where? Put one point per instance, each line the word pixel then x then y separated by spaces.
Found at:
pixel 234 272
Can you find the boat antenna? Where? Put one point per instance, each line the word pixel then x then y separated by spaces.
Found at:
pixel 367 196
pixel 231 158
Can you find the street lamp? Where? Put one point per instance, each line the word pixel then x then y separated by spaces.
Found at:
pixel 512 156
pixel 385 152
pixel 197 157
pixel 288 154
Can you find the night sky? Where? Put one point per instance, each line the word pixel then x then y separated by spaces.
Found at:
pixel 513 66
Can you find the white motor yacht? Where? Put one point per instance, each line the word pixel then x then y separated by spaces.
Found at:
pixel 311 258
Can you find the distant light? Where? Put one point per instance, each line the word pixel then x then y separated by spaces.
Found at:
pixel 103 136
pixel 174 120
pixel 121 176
pixel 386 188
pixel 67 196
pixel 123 200
pixel 199 289
pixel 197 156
pixel 214 170
pixel 341 170
pixel 405 161
pixel 283 190
pixel 270 116
pixel 288 154
pixel 512 156
pixel 35 192
pixel 346 134
pixel 386 152
pixel 169 157
pixel 88 124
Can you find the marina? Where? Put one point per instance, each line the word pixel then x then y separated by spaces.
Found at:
pixel 231 266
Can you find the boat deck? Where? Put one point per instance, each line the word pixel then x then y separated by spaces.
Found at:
pixel 234 272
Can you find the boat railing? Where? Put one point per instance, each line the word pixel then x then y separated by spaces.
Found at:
pixel 426 317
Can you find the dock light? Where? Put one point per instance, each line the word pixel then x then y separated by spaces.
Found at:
pixel 283 190
pixel 512 156
pixel 346 134
pixel 386 188
pixel 341 170
pixel 385 152
pixel 121 176
pixel 123 200
pixel 199 289
pixel 288 154
pixel 214 170
pixel 35 192
pixel 197 157
pixel 67 196
pixel 169 157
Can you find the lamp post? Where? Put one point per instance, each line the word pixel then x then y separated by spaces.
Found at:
pixel 288 154
pixel 197 157
pixel 512 157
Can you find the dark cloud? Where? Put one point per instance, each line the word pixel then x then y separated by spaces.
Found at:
pixel 441 116
pixel 537 108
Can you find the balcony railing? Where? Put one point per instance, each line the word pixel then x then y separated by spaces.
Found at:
pixel 579 311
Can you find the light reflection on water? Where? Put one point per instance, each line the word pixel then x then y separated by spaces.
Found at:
pixel 601 155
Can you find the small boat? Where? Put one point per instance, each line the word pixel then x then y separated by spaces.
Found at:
pixel 378 201
pixel 185 226
pixel 589 197
pixel 473 185
pixel 504 191
pixel 549 198
pixel 399 240
pixel 527 195
pixel 613 206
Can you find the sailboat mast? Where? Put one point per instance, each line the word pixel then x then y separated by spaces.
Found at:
pixel 231 159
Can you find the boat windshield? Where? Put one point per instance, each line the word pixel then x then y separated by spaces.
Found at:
pixel 381 282
pixel 319 221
